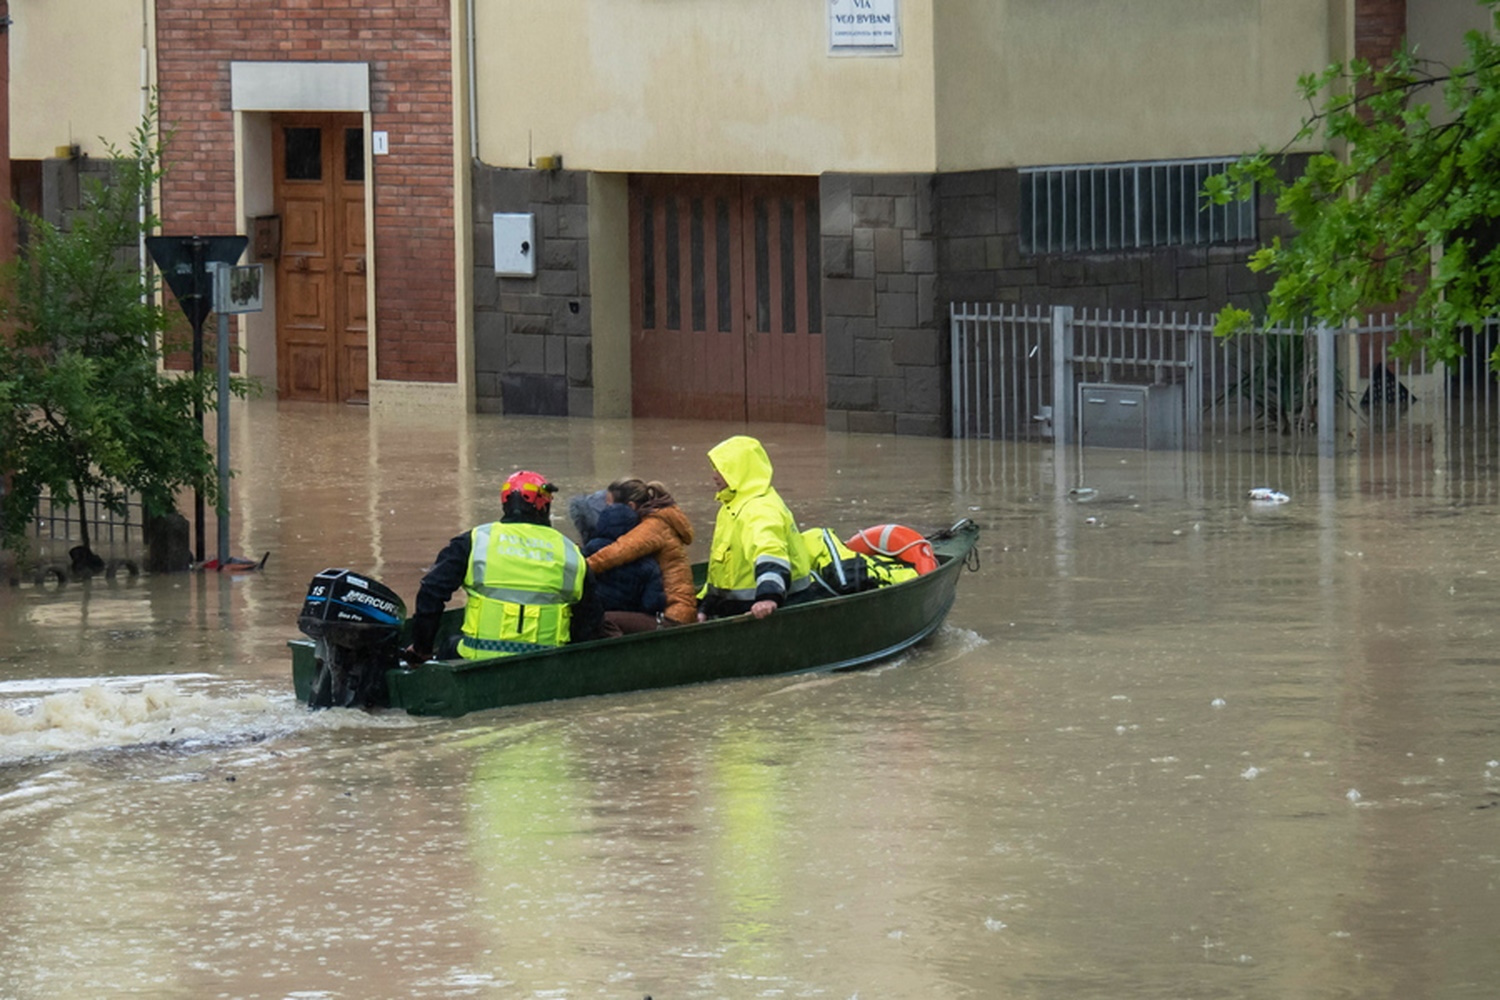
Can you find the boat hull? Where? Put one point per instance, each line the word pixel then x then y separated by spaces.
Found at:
pixel 832 634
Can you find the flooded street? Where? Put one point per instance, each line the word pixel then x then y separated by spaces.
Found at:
pixel 1170 743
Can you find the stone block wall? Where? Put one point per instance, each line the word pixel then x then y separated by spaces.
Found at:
pixel 980 259
pixel 899 249
pixel 532 336
pixel 886 345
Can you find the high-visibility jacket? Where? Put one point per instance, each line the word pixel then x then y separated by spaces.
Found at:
pixel 757 552
pixel 522 581
pixel 838 569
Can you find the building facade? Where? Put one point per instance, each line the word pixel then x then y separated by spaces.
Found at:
pixel 705 209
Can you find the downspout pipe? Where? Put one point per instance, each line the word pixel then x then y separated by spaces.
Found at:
pixel 142 258
pixel 472 83
pixel 7 217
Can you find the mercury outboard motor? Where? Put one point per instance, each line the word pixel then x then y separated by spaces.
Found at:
pixel 356 623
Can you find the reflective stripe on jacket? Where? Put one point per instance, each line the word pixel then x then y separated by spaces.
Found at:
pixel 521 581
pixel 838 569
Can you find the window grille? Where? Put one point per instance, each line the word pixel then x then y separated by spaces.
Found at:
pixel 1125 206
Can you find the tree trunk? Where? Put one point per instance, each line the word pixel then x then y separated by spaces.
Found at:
pixel 83 516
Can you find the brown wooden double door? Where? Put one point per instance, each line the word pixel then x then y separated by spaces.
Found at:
pixel 726 305
pixel 322 322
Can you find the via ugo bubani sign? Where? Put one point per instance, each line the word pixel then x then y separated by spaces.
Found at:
pixel 863 25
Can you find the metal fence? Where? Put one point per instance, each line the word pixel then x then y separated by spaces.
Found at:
pixel 108 530
pixel 1163 381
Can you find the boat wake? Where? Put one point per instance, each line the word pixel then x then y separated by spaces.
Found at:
pixel 180 711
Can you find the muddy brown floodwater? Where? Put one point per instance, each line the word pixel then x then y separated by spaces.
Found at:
pixel 1170 743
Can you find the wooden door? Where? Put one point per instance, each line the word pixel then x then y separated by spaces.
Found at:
pixel 321 317
pixel 726 315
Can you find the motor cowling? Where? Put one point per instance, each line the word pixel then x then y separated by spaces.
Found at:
pixel 356 623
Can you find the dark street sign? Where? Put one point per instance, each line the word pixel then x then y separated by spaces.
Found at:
pixel 184 261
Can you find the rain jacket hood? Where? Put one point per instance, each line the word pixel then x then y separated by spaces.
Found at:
pixel 743 463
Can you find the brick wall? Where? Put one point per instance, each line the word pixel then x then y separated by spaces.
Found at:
pixel 532 336
pixel 1379 28
pixel 407 45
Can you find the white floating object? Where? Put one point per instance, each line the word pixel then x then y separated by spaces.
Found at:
pixel 1218 703
pixel 1250 773
pixel 1264 494
pixel 1353 795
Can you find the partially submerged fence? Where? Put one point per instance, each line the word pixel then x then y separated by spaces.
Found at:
pixel 1163 381
pixel 108 530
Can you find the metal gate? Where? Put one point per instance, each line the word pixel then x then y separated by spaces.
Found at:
pixel 726 310
pixel 1037 373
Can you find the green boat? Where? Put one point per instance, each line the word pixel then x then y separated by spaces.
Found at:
pixel 833 633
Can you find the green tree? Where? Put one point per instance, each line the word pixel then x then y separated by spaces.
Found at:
pixel 85 407
pixel 1400 209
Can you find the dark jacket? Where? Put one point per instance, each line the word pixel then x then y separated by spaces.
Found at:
pixel 447 575
pixel 664 535
pixel 633 586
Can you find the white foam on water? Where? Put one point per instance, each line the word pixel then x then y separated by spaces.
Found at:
pixel 33 686
pixel 121 713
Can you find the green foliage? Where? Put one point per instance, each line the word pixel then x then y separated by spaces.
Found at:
pixel 84 405
pixel 1400 210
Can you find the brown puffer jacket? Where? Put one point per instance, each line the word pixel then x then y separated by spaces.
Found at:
pixel 665 533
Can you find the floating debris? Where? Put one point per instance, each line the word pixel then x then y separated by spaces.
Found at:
pixel 1264 494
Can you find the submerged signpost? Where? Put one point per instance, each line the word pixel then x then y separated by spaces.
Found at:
pixel 237 289
pixel 189 264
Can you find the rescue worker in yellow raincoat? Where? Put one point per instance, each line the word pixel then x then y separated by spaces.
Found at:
pixel 758 560
pixel 528 586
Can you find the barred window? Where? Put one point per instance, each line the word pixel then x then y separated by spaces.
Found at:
pixel 1124 206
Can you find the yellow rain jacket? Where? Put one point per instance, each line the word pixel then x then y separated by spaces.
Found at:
pixel 521 581
pixel 757 552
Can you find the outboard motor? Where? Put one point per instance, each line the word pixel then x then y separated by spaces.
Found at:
pixel 356 623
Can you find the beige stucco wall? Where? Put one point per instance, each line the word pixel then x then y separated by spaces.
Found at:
pixel 1435 28
pixel 1035 82
pixel 711 86
pixel 71 83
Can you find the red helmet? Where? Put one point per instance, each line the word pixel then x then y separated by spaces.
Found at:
pixel 532 487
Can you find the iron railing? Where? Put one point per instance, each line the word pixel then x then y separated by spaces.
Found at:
pixel 1048 373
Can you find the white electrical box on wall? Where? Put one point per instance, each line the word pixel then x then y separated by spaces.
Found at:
pixel 515 244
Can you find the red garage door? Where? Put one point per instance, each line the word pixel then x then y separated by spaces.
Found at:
pixel 726 311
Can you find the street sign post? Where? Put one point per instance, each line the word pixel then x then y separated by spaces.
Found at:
pixel 184 263
pixel 237 289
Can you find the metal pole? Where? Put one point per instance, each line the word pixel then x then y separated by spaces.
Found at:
pixel 221 364
pixel 199 247
pixel 1062 381
pixel 1327 415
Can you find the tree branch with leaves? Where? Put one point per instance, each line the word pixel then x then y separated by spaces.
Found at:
pixel 86 408
pixel 1401 207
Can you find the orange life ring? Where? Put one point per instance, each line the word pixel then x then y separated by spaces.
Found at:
pixel 897 541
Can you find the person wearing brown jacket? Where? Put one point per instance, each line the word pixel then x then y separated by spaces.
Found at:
pixel 664 532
